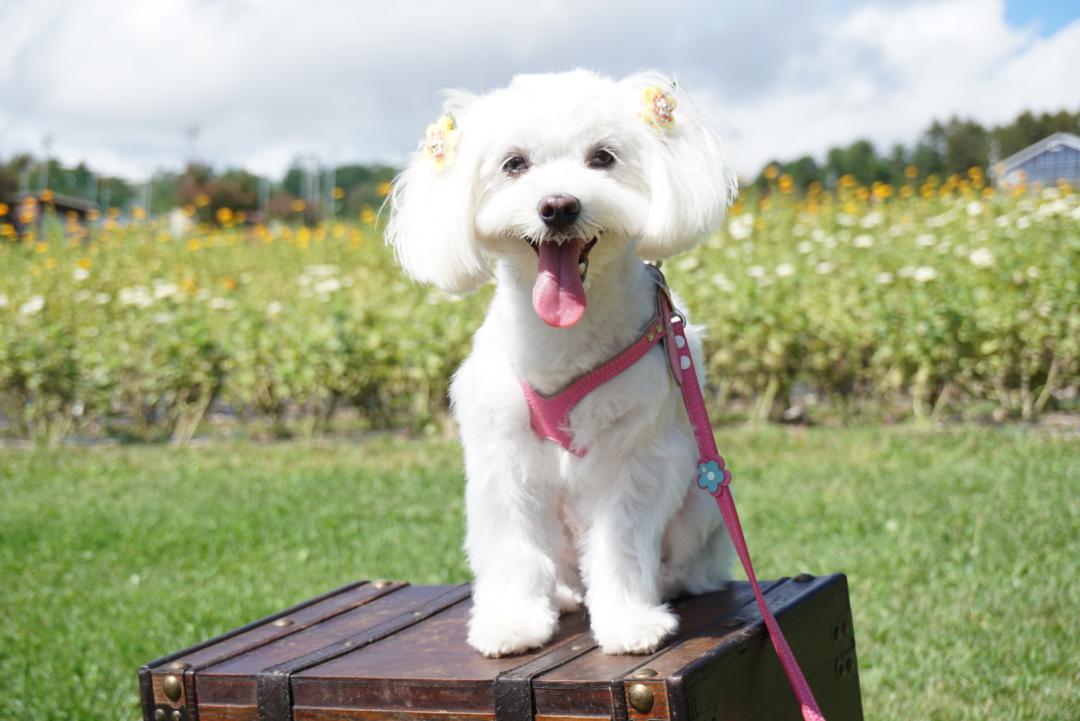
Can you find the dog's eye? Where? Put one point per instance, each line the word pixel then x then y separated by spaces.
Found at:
pixel 515 165
pixel 601 158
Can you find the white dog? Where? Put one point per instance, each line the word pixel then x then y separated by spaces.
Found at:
pixel 560 187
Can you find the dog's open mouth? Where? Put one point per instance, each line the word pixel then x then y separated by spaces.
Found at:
pixel 559 292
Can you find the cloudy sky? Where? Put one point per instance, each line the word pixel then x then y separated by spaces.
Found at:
pixel 116 82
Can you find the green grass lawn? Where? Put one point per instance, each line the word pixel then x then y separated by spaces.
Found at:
pixel 961 548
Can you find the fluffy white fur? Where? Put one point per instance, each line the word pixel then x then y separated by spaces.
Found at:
pixel 620 529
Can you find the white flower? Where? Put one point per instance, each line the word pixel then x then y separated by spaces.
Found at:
pixel 328 285
pixel 925 240
pixel 80 274
pixel 220 303
pixel 163 289
pixel 905 271
pixel 138 296
pixel 1050 193
pixel 741 226
pixel 102 298
pixel 320 271
pixel 785 270
pixel 845 219
pixel 824 267
pixel 863 240
pixel 1002 221
pixel 883 278
pixel 974 208
pixel 721 281
pixel 1023 222
pixel 981 258
pixel 756 271
pixel 33 306
pixel 1033 272
pixel 805 247
pixel 163 318
pixel 3 300
pixel 923 274
pixel 871 219
pixel 273 307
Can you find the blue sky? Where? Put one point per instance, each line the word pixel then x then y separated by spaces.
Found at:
pixel 358 80
pixel 1046 15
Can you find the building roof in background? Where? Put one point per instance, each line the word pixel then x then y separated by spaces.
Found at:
pixel 1018 158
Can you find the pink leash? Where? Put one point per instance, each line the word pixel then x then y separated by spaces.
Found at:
pixel 715 479
pixel 549 416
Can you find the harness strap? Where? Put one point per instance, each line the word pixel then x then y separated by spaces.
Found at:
pixel 715 479
pixel 550 415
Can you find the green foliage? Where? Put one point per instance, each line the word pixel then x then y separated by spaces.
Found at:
pixel 921 305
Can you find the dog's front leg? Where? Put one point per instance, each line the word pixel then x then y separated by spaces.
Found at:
pixel 511 540
pixel 621 558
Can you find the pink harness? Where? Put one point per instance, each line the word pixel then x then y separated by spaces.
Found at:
pixel 550 416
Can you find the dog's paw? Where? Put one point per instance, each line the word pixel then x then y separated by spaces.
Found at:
pixel 568 599
pixel 633 629
pixel 512 627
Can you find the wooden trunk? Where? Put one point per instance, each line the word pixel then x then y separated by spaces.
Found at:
pixel 384 651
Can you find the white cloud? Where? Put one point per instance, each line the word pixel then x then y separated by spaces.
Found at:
pixel 116 82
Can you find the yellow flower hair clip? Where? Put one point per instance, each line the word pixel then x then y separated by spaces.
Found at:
pixel 442 141
pixel 659 107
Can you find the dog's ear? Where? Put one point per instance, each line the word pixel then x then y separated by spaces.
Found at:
pixel 689 180
pixel 432 206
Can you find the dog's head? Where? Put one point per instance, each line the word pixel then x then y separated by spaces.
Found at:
pixel 557 175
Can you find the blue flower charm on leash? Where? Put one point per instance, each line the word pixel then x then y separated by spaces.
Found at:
pixel 712 476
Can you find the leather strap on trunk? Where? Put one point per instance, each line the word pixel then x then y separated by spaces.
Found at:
pixel 513 687
pixel 273 691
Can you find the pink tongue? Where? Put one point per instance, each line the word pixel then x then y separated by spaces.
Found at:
pixel 558 296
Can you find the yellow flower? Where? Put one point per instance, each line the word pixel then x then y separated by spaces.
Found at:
pixel 7 230
pixel 50 263
pixel 92 214
pixel 202 200
pixel 367 216
pixel 882 190
pixel 138 213
pixel 846 181
pixel 189 285
pixel 47 195
pixel 659 107
pixel 338 193
pixel 786 183
pixel 193 245
pixel 382 188
pixel 229 283
pixel 84 263
pixel 442 141
pixel 224 215
pixel 298 206
pixel 911 172
pixel 3 209
pixel 40 247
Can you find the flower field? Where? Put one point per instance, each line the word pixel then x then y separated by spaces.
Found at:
pixel 922 300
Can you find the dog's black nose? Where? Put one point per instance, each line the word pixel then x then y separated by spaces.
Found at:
pixel 559 211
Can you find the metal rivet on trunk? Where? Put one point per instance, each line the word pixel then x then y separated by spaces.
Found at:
pixel 178 666
pixel 381 583
pixel 176 716
pixel 641 698
pixel 803 578
pixel 283 622
pixel 159 715
pixel 172 687
pixel 643 673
